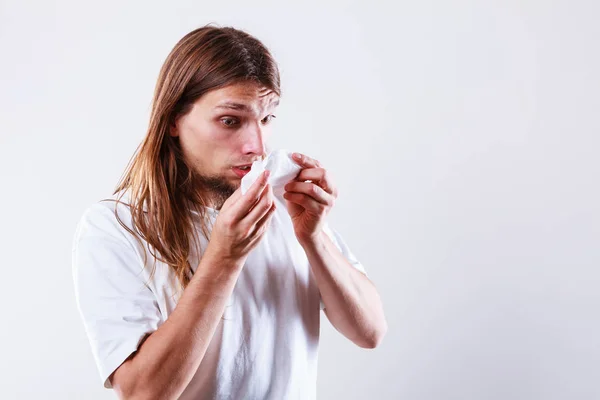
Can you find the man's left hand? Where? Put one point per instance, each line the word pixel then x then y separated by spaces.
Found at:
pixel 308 203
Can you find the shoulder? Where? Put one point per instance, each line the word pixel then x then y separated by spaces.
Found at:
pixel 106 220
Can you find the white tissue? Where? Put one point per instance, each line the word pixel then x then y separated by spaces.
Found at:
pixel 283 169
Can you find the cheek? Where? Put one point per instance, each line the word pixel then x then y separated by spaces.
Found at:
pixel 212 147
pixel 197 137
pixel 212 156
pixel 195 149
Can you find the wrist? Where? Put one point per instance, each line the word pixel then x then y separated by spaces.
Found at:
pixel 216 259
pixel 313 240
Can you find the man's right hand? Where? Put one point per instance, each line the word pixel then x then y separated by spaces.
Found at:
pixel 242 221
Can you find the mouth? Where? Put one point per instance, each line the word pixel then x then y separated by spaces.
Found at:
pixel 241 170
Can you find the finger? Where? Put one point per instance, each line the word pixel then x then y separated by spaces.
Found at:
pixel 305 161
pixel 311 190
pixel 238 192
pixel 319 176
pixel 305 201
pixel 261 225
pixel 262 207
pixel 248 200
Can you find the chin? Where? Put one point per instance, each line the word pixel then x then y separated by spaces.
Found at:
pixel 234 181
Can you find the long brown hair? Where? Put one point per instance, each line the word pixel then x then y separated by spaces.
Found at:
pixel 163 188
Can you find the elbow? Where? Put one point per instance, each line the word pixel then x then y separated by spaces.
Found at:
pixel 136 395
pixel 129 388
pixel 124 393
pixel 375 338
pixel 145 390
pixel 141 393
pixel 121 391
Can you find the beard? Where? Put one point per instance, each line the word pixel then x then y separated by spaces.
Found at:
pixel 217 188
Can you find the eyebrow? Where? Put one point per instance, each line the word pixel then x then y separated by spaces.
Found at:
pixel 242 107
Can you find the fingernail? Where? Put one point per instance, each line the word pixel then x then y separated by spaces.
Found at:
pixel 267 173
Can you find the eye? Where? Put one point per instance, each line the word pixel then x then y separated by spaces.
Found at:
pixel 267 119
pixel 229 122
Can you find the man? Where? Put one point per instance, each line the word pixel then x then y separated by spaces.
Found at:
pixel 230 308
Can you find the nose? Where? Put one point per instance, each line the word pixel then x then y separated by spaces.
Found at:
pixel 254 142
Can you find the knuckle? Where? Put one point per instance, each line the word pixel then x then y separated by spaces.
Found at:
pixel 244 230
pixel 266 205
pixel 268 198
pixel 227 221
pixel 263 228
pixel 266 225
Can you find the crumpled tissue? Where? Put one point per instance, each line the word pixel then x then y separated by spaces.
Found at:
pixel 283 169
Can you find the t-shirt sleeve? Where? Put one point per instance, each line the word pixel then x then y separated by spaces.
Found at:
pixel 337 239
pixel 117 308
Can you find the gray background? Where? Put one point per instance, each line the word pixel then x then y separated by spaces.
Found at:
pixel 463 137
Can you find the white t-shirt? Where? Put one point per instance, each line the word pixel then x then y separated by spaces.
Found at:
pixel 266 345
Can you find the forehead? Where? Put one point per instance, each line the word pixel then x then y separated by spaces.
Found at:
pixel 247 97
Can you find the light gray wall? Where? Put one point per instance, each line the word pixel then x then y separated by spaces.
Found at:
pixel 463 137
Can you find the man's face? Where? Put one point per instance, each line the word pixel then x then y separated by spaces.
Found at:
pixel 225 128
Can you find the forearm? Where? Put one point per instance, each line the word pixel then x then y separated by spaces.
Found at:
pixel 352 303
pixel 167 360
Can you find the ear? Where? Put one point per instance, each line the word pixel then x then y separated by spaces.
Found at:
pixel 173 131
